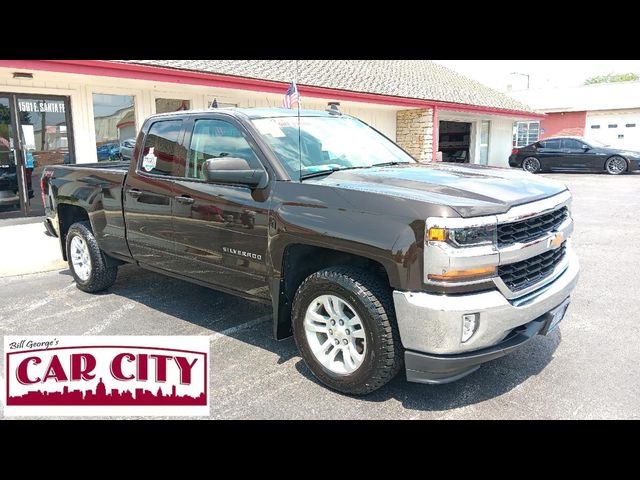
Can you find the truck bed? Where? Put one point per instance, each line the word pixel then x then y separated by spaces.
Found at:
pixel 111 166
pixel 94 188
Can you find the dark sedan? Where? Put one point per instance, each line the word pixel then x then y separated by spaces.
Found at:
pixel 572 154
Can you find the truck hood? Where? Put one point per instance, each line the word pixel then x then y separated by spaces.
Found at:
pixel 471 190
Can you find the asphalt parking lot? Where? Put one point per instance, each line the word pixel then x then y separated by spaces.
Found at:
pixel 589 368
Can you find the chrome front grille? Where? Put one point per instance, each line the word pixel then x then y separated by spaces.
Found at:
pixel 532 228
pixel 525 273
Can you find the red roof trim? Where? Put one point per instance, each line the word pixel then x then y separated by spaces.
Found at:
pixel 161 74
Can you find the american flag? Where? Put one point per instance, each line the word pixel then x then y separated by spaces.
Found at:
pixel 292 97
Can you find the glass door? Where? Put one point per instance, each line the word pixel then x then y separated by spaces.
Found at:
pixel 45 137
pixel 42 137
pixel 10 203
pixel 485 129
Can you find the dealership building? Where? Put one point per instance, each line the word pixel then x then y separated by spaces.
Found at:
pixel 83 111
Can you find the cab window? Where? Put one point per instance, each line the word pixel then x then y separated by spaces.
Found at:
pixel 159 156
pixel 216 139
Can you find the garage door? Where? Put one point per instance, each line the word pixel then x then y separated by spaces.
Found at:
pixel 618 130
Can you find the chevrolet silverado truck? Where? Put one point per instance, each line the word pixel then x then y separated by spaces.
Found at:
pixel 370 259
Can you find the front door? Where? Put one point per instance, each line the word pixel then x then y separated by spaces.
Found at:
pixel 221 230
pixel 10 204
pixel 148 196
pixel 42 137
pixel 574 154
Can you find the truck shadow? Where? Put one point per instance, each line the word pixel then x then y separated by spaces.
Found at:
pixel 219 313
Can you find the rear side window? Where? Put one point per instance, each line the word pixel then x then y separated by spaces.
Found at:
pixel 159 156
pixel 555 144
pixel 213 139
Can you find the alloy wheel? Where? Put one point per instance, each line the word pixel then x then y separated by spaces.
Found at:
pixel 80 258
pixel 335 334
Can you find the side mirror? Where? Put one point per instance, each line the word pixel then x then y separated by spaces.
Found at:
pixel 586 148
pixel 235 171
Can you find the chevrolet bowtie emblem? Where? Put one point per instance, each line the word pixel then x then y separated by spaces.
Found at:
pixel 556 241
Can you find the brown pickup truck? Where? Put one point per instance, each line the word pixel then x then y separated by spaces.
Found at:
pixel 370 259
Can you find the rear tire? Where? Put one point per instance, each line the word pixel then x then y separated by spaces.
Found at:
pixel 616 165
pixel 92 270
pixel 531 165
pixel 366 305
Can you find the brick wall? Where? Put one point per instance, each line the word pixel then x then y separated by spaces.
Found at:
pixel 563 123
pixel 414 132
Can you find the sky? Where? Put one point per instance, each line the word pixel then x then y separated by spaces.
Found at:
pixel 542 73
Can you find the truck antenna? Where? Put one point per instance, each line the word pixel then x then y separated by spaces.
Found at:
pixel 299 141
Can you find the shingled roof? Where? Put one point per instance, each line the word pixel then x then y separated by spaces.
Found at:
pixel 418 79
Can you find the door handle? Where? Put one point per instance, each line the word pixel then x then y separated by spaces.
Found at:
pixel 134 192
pixel 184 200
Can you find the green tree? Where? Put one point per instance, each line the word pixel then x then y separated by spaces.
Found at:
pixel 612 77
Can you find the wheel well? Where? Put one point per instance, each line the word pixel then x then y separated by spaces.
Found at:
pixel 67 216
pixel 300 261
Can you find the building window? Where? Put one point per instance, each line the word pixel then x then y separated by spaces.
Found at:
pixel 595 126
pixel 525 133
pixel 485 127
pixel 630 125
pixel 114 118
pixel 165 105
pixel 613 125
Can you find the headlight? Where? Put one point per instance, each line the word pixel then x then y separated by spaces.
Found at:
pixel 464 237
pixel 460 251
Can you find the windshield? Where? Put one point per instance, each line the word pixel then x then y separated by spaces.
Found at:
pixel 327 144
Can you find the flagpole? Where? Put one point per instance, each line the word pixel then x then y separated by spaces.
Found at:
pixel 299 142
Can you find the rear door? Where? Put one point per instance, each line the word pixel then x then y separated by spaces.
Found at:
pixel 221 230
pixel 148 195
pixel 550 153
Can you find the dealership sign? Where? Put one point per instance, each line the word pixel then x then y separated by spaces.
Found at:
pixel 103 375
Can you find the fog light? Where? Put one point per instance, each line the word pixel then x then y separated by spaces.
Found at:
pixel 470 322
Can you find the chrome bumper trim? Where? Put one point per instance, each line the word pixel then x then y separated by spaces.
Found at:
pixel 432 323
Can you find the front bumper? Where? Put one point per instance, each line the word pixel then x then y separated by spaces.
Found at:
pixel 432 324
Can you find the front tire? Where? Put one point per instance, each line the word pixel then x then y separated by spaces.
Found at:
pixel 345 328
pixel 616 165
pixel 92 270
pixel 531 165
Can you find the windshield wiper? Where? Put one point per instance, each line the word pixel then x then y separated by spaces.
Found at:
pixel 389 164
pixel 328 171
